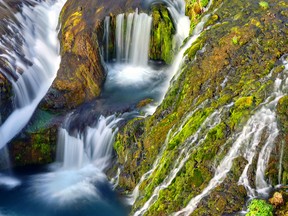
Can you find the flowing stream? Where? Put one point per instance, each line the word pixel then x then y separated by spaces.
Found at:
pixel 246 144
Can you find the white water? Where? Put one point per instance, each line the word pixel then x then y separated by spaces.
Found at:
pixel 186 149
pixel 83 159
pixel 175 69
pixel 135 194
pixel 106 37
pixel 181 22
pixel 133 38
pixel 263 120
pixel 40 46
pixel 280 163
pixel 93 146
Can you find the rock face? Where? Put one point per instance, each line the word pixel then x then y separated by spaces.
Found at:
pixel 232 75
pixel 37 143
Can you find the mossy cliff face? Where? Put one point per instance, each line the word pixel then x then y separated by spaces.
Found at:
pixel 213 97
pixel 162 44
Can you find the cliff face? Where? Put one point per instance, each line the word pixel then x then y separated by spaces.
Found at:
pixel 228 74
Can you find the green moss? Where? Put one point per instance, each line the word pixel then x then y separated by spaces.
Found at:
pixel 163 30
pixel 198 45
pixel 235 40
pixel 259 208
pixel 264 5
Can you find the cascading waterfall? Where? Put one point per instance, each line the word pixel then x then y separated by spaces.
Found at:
pixel 132 38
pixel 93 146
pixel 132 34
pixel 131 200
pixel 41 61
pixel 106 37
pixel 81 161
pixel 172 73
pixel 246 145
pixel 194 140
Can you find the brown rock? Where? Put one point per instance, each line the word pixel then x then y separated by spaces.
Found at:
pixel 277 199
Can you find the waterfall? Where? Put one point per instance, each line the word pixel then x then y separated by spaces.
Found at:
pixel 120 37
pixel 132 38
pixel 246 145
pixel 181 22
pixel 93 146
pixel 81 160
pixel 135 194
pixel 194 140
pixel 37 28
pixel 106 37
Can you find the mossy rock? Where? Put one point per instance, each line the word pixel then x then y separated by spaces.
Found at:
pixel 163 31
pixel 259 207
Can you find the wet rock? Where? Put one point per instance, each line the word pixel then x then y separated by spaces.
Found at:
pixel 277 199
pixel 5 98
pixel 36 145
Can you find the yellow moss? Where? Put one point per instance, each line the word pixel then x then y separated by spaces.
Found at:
pixel 256 23
pixel 84 74
pixel 68 31
pixel 99 9
pixel 244 102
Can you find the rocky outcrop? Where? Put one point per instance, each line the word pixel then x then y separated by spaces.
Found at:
pixel 229 76
pixel 281 146
pixel 37 143
pixel 81 73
